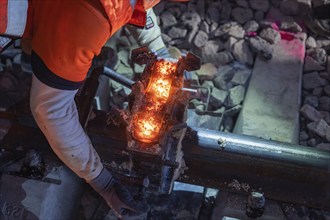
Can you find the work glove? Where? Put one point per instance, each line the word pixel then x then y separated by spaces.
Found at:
pixel 163 53
pixel 119 198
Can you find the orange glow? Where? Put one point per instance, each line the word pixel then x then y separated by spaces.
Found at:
pixel 148 121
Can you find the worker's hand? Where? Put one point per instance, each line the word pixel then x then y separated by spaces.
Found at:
pixel 124 205
pixel 119 198
pixel 163 53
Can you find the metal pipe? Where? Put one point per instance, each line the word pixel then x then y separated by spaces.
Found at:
pixel 118 77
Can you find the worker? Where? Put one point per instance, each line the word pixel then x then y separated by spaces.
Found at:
pixel 62 38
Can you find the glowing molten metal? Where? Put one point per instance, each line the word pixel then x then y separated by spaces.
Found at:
pixel 148 121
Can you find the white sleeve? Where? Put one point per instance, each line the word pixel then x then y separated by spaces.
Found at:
pixel 56 114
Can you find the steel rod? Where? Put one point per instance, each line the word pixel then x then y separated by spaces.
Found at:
pixel 118 77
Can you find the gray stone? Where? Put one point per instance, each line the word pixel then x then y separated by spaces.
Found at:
pixel 312 65
pixel 226 11
pixel 236 96
pixel 251 26
pixel 194 78
pixel 176 42
pixel 303 136
pixel 123 56
pixel 327 90
pixel 205 27
pixel 310 113
pixel 200 5
pixel 191 19
pixel 319 2
pixel 241 77
pixel 325 75
pixel 277 16
pixel 176 11
pixel 242 52
pixel 233 111
pixel 194 103
pixel 190 37
pixel 289 7
pixel 176 32
pixel 226 73
pixel 262 47
pixel 219 111
pixel 326 116
pixel 324 103
pixel 224 57
pixel 312 101
pixel 208 84
pixel 259 15
pixel 262 5
pixel 318 91
pixel 203 121
pixel 276 3
pixel 218 97
pixel 213 14
pixel 166 38
pixel 236 31
pixel 321 128
pixel 242 15
pixel 318 54
pixel 304 7
pixel 223 30
pixel 138 68
pixel 323 146
pixel 322 42
pixel 167 19
pixel 207 71
pixel 312 142
pixel 312 80
pixel 310 42
pixel 270 35
pixel 268 24
pixel 210 50
pixel 230 43
pixel 290 26
pixel 328 64
pixel 213 26
pixel 242 3
pixel 200 39
pixel 159 8
pixel 227 124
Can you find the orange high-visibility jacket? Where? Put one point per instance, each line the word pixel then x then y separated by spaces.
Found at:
pixel 66 35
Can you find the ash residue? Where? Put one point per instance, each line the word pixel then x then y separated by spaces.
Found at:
pixel 236 185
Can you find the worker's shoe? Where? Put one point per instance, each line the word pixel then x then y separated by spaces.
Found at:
pixel 119 198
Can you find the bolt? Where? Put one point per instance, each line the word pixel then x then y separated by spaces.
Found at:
pixel 255 205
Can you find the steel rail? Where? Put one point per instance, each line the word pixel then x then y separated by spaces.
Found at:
pixel 234 162
pixel 229 162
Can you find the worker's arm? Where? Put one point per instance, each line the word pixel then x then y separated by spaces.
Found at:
pixel 56 115
pixel 150 35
